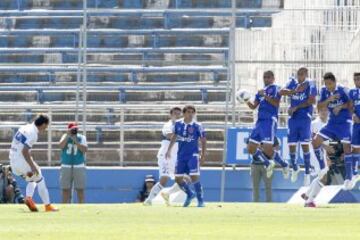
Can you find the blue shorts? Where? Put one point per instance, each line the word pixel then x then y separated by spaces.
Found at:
pixel 299 131
pixel 355 138
pixel 189 166
pixel 337 132
pixel 264 131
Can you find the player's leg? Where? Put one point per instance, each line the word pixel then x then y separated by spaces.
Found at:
pixel 292 142
pixel 268 186
pixel 194 169
pixel 348 159
pixel 324 134
pixel 254 144
pixel 314 189
pixel 180 170
pixel 306 156
pixel 164 173
pixel 355 144
pixel 305 138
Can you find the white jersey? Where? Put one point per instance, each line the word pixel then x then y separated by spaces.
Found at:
pixel 167 167
pixel 316 126
pixel 26 136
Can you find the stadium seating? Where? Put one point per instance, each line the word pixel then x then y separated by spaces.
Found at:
pixel 151 52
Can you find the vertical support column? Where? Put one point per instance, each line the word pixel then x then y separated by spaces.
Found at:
pixel 84 48
pixel 49 138
pixel 230 86
pixel 78 74
pixel 121 150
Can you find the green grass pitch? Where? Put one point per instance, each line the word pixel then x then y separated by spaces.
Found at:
pixel 217 221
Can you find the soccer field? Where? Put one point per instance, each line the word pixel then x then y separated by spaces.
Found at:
pixel 216 221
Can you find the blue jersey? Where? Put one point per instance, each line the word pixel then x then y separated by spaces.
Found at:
pixel 344 115
pixel 187 136
pixel 267 111
pixel 301 97
pixel 354 96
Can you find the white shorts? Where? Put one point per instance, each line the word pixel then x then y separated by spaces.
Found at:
pixel 166 166
pixel 21 168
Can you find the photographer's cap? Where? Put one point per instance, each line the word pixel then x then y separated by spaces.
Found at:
pixel 72 125
pixel 149 178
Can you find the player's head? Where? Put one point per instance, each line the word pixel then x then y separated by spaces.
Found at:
pixel 175 113
pixel 189 112
pixel 41 122
pixel 323 114
pixel 302 74
pixel 330 81
pixel 268 77
pixel 357 79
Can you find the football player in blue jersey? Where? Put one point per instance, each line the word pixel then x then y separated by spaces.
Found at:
pixel 267 100
pixel 188 133
pixel 354 95
pixel 302 93
pixel 336 98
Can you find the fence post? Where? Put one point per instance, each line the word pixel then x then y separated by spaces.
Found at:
pixel 49 138
pixel 121 150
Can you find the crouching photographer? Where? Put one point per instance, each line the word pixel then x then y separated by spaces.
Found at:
pixel 336 173
pixel 9 191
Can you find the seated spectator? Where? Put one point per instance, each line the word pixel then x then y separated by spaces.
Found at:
pixel 148 185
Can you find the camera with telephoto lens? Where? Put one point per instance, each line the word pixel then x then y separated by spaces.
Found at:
pixel 74 131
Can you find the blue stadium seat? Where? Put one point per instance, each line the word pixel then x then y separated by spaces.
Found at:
pixel 64 41
pixel 3 41
pixel 115 41
pixel 106 3
pixel 28 23
pixel 94 41
pixel 19 41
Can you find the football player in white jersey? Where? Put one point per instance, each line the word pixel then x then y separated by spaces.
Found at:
pixel 23 164
pixel 166 168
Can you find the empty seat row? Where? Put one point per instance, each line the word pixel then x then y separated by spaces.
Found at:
pixel 135 4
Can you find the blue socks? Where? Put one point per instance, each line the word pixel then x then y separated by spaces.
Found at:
pixel 186 188
pixel 293 161
pixel 279 160
pixel 320 157
pixel 260 155
pixel 199 191
pixel 307 162
pixel 348 159
pixel 355 166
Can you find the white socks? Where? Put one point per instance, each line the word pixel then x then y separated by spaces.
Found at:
pixel 154 191
pixel 314 189
pixel 42 189
pixel 43 192
pixel 30 189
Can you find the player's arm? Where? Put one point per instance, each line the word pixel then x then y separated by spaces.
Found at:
pixel 324 102
pixel 253 105
pixel 287 92
pixel 29 159
pixel 172 142
pixel 272 100
pixel 337 109
pixel 203 142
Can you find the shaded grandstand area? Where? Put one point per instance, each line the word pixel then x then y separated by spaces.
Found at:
pixel 142 58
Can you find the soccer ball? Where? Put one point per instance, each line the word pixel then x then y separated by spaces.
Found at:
pixel 243 95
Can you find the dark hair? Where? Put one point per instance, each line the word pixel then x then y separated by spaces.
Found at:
pixel 357 74
pixel 41 119
pixel 303 69
pixel 175 109
pixel 329 76
pixel 188 107
pixel 271 73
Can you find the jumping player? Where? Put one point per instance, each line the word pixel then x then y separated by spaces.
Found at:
pixel 336 98
pixel 187 132
pixel 302 92
pixel 355 139
pixel 166 168
pixel 23 164
pixel 268 101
